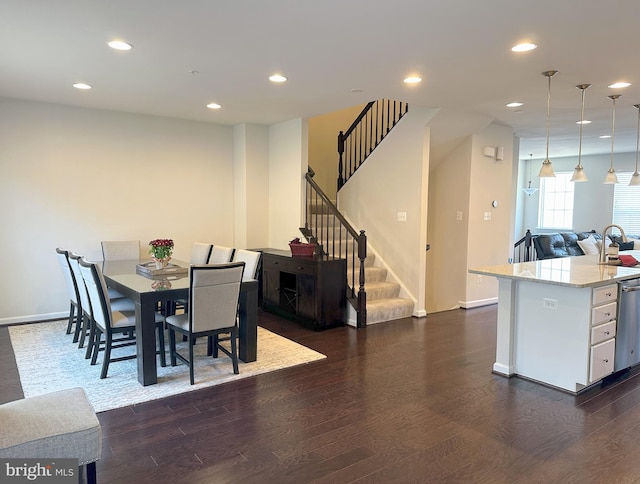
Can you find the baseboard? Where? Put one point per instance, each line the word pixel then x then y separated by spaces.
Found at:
pixel 419 314
pixel 478 303
pixel 33 318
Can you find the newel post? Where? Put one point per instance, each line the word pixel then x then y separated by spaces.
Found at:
pixel 362 294
pixel 340 154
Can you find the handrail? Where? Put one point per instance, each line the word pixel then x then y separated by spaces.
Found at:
pixel 364 135
pixel 328 233
pixel 524 253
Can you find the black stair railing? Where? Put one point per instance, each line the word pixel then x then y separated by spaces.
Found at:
pixel 327 227
pixel 523 250
pixel 365 134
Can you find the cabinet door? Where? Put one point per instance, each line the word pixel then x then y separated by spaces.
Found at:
pixel 307 297
pixel 602 356
pixel 270 290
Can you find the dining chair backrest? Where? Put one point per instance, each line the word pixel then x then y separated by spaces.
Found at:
pixel 200 253
pixel 220 254
pixel 120 249
pixel 74 262
pixel 251 260
pixel 69 278
pixel 213 295
pixel 97 291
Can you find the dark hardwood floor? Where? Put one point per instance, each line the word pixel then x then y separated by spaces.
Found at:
pixel 407 401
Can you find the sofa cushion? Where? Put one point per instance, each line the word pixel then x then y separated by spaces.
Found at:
pixel 589 246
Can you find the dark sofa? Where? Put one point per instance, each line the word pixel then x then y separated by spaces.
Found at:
pixel 562 244
pixel 565 244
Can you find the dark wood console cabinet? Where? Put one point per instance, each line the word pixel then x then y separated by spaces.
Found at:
pixel 310 289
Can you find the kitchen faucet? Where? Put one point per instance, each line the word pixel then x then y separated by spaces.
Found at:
pixel 603 247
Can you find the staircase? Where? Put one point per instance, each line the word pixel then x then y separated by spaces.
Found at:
pixel 383 294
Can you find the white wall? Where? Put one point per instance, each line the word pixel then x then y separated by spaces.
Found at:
pixel 288 154
pixel 399 170
pixel 251 183
pixel 72 177
pixel 490 241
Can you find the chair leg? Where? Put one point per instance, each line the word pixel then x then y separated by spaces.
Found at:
pixel 172 346
pixel 107 356
pixel 191 343
pixel 214 345
pixel 91 344
pixel 71 314
pixel 91 473
pixel 85 324
pixel 209 345
pixel 96 346
pixel 234 352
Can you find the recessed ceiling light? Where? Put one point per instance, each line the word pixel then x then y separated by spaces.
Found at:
pixel 524 47
pixel 413 80
pixel 356 90
pixel 82 85
pixel 515 104
pixel 214 106
pixel 585 121
pixel 604 136
pixel 619 85
pixel 119 45
pixel 277 78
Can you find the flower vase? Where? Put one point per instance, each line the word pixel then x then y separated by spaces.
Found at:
pixel 161 263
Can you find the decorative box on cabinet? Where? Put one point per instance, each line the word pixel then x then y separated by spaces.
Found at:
pixel 307 289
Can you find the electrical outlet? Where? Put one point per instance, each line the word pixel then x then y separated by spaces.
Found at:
pixel 458 215
pixel 550 303
pixel 402 216
pixel 487 215
pixel 479 280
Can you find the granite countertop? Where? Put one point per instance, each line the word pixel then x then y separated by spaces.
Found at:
pixel 577 271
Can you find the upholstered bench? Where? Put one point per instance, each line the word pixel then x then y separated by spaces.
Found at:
pixel 60 425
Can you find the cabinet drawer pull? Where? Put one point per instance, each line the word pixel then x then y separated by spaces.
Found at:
pixel 607 314
pixel 608 294
pixel 606 332
pixel 300 268
pixel 606 361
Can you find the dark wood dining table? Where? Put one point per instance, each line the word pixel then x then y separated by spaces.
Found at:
pixel 147 292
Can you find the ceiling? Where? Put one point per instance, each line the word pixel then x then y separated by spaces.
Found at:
pixel 336 54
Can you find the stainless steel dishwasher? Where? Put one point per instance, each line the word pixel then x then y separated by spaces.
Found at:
pixel 628 333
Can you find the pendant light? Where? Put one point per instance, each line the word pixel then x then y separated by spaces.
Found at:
pixel 635 178
pixel 578 174
pixel 611 174
pixel 547 169
pixel 531 190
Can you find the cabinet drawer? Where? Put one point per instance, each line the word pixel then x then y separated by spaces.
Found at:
pixel 601 361
pixel 291 265
pixel 605 294
pixel 604 313
pixel 603 332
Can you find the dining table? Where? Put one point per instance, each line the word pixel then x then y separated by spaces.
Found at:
pixel 148 291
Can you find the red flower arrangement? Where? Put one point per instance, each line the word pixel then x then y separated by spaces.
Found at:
pixel 161 248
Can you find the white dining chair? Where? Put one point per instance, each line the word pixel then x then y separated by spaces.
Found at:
pixel 200 253
pixel 75 309
pixel 220 254
pixel 213 307
pixel 111 323
pixel 251 260
pixel 120 249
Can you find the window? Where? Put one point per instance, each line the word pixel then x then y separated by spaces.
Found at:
pixel 626 204
pixel 556 202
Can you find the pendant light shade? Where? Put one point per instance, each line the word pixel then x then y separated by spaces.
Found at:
pixel 578 173
pixel 547 169
pixel 529 190
pixel 611 177
pixel 635 178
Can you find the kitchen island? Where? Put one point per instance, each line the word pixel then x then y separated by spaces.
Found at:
pixel 557 319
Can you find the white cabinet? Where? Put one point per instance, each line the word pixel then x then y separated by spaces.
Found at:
pixel 603 332
pixel 564 336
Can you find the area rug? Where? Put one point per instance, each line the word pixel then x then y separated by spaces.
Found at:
pixel 48 361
